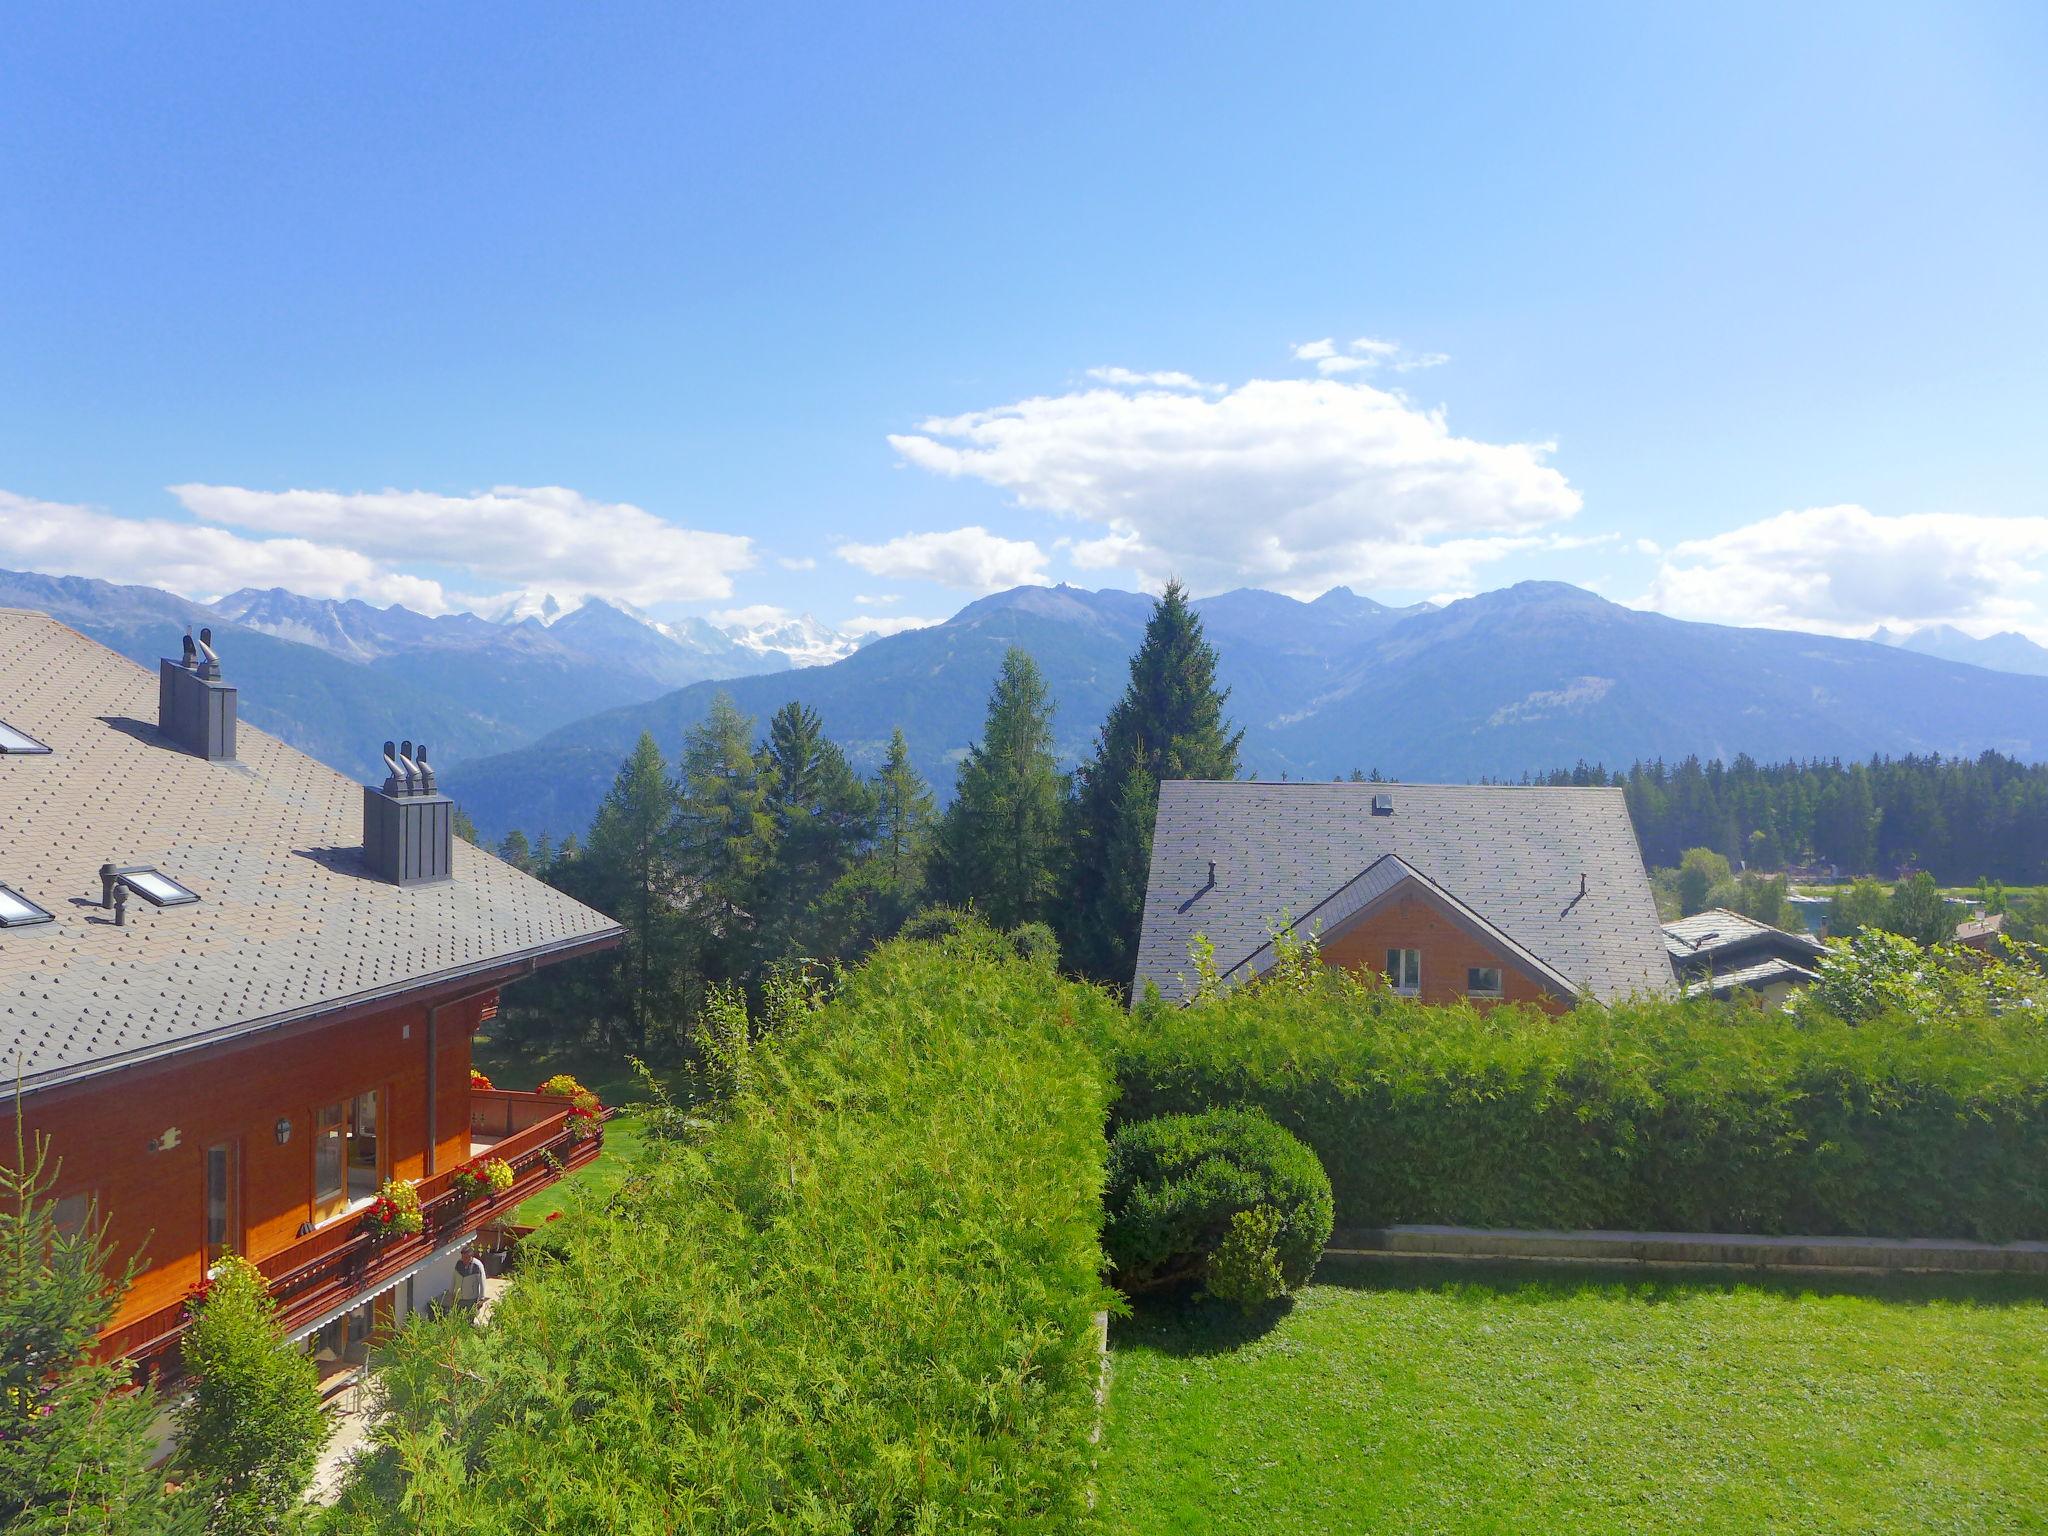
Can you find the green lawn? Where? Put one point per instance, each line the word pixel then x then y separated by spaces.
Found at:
pixel 604 1074
pixel 1458 1399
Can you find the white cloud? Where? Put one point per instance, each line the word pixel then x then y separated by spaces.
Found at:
pixel 752 616
pixel 59 538
pixel 1372 346
pixel 877 599
pixel 1422 360
pixel 1311 351
pixel 1330 365
pixel 1126 378
pixel 535 536
pixel 798 562
pixel 1297 484
pixel 1841 569
pixel 969 558
pixel 884 624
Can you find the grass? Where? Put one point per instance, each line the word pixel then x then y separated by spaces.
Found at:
pixel 1460 1399
pixel 605 1074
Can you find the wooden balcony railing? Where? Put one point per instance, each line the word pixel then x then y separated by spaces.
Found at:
pixel 342 1260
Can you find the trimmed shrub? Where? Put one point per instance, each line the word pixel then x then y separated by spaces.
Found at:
pixel 1246 1270
pixel 862 1301
pixel 1661 1115
pixel 1179 1183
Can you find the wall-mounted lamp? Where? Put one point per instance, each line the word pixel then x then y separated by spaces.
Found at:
pixel 284 1130
pixel 166 1142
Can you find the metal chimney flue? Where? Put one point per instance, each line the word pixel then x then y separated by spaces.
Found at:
pixel 408 825
pixel 195 710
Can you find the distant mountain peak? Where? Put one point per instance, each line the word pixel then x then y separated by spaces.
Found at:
pixel 800 640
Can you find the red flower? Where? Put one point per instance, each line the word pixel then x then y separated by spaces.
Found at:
pixel 554 1215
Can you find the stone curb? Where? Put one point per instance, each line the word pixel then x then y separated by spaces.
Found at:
pixel 1879 1255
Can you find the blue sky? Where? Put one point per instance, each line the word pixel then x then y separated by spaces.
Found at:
pixel 1737 312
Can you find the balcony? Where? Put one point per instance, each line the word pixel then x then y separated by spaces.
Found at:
pixel 341 1261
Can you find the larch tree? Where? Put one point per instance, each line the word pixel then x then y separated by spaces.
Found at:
pixel 1169 724
pixel 998 846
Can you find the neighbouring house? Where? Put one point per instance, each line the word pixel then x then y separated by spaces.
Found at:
pixel 237 992
pixel 1983 931
pixel 1453 891
pixel 1719 953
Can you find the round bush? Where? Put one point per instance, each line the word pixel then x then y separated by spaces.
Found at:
pixel 1178 1184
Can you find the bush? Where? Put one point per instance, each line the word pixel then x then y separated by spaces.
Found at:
pixel 863 1301
pixel 1246 1270
pixel 250 1432
pixel 1661 1115
pixel 1179 1183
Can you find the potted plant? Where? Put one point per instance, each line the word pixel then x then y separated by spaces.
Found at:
pixel 395 1212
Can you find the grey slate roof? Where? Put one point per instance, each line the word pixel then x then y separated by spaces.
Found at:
pixel 1763 973
pixel 1699 938
pixel 289 922
pixel 1512 855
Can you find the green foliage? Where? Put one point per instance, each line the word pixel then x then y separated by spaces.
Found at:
pixel 1880 973
pixel 726 833
pixel 998 847
pixel 74 1447
pixel 1700 870
pixel 250 1432
pixel 1246 1271
pixel 631 871
pixel 1177 1183
pixel 1920 912
pixel 1168 725
pixel 1678 1116
pixel 863 1302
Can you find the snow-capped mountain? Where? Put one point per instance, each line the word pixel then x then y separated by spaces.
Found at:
pixel 799 639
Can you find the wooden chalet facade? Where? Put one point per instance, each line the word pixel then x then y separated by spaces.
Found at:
pixel 241 1068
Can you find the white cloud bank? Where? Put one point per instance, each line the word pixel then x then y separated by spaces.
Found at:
pixel 60 538
pixel 971 559
pixel 532 536
pixel 1295 484
pixel 1841 570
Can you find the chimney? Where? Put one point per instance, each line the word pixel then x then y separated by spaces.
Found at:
pixel 194 708
pixel 408 824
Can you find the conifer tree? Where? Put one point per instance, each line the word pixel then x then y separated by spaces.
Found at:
pixel 875 897
pixel 74 1447
pixel 1168 725
pixel 250 1431
pixel 822 817
pixel 999 842
pixel 630 869
pixel 727 833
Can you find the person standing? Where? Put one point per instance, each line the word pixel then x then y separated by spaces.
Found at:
pixel 469 1281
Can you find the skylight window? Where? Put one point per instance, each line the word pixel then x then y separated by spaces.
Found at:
pixel 17 911
pixel 156 887
pixel 14 743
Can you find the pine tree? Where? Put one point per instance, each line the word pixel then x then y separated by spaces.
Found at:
pixel 250 1432
pixel 74 1447
pixel 999 842
pixel 1168 725
pixel 727 834
pixel 631 871
pixel 822 816
pixel 874 898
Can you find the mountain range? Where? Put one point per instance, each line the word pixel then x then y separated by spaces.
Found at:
pixel 530 710
pixel 1532 677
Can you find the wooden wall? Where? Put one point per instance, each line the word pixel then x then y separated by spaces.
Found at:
pixel 1448 950
pixel 154 1200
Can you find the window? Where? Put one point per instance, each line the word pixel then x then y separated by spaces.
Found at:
pixel 347 1155
pixel 1483 981
pixel 1404 969
pixel 72 1213
pixel 223 1201
pixel 17 911
pixel 156 887
pixel 14 743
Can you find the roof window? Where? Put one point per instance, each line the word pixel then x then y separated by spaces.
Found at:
pixel 17 911
pixel 14 743
pixel 146 881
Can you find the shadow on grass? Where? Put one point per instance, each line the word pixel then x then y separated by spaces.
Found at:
pixel 1188 1328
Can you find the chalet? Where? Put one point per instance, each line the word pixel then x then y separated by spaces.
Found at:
pixel 237 993
pixel 1453 892
pixel 1719 953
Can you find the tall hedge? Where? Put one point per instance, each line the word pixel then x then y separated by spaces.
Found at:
pixel 1676 1116
pixel 863 1304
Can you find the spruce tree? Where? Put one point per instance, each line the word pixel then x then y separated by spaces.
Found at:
pixel 631 871
pixel 999 842
pixel 74 1446
pixel 822 816
pixel 878 894
pixel 727 834
pixel 1168 725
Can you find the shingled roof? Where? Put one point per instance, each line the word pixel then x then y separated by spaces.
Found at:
pixel 290 924
pixel 1512 856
